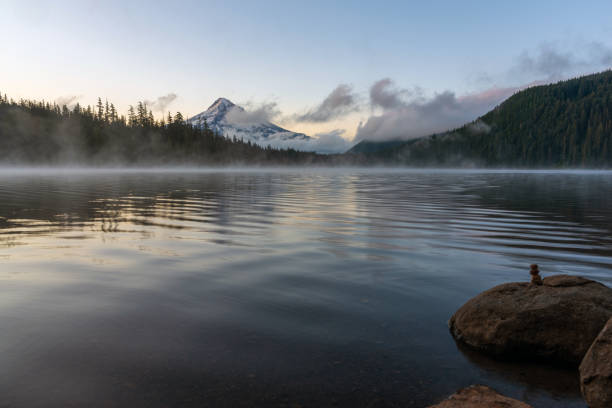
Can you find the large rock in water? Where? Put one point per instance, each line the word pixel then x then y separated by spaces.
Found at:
pixel 596 370
pixel 557 321
pixel 479 396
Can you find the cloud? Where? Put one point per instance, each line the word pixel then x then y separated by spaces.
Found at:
pixel 162 102
pixel 479 127
pixel 407 115
pixel 551 63
pixel 253 114
pixel 422 117
pixel 340 102
pixel 385 95
pixel 67 100
pixel 331 142
pixel 326 143
pixel 547 61
pixel 600 53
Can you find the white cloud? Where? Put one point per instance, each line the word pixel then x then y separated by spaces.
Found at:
pixel 253 114
pixel 421 117
pixel 162 102
pixel 328 142
pixel 340 102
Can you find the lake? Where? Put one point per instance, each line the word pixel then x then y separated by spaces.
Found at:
pixel 270 287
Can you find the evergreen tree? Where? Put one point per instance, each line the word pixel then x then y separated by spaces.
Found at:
pixel 131 117
pixel 100 109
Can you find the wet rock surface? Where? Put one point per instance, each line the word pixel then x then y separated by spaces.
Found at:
pixel 479 396
pixel 596 370
pixel 556 321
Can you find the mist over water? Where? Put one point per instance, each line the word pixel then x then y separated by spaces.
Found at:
pixel 242 287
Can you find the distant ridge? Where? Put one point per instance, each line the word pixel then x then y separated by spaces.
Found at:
pixel 366 146
pixel 567 124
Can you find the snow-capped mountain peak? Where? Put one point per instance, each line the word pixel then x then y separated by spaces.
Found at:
pixel 230 120
pixel 221 105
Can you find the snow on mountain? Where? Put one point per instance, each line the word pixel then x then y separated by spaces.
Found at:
pixel 232 120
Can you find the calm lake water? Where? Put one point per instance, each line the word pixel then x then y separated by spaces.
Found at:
pixel 277 288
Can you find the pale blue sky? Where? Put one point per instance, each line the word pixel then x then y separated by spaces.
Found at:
pixel 293 53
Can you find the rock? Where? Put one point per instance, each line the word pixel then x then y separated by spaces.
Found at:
pixel 596 370
pixel 479 396
pixel 557 320
pixel 536 279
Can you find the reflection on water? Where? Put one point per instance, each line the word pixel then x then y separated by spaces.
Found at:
pixel 276 288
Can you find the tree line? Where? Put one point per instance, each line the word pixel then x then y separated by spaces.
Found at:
pixel 567 124
pixel 43 133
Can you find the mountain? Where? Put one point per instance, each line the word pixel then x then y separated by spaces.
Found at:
pixel 567 124
pixel 231 120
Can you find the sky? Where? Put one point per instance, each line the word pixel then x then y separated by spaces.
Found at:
pixel 343 71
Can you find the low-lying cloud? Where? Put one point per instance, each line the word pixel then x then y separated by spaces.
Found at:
pixel 421 117
pixel 253 114
pixel 479 127
pixel 326 143
pixel 407 114
pixel 340 102
pixel 331 142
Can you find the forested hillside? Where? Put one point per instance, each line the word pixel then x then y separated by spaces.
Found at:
pixel 567 124
pixel 40 133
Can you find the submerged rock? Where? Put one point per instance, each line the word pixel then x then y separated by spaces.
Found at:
pixel 596 370
pixel 557 320
pixel 479 396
